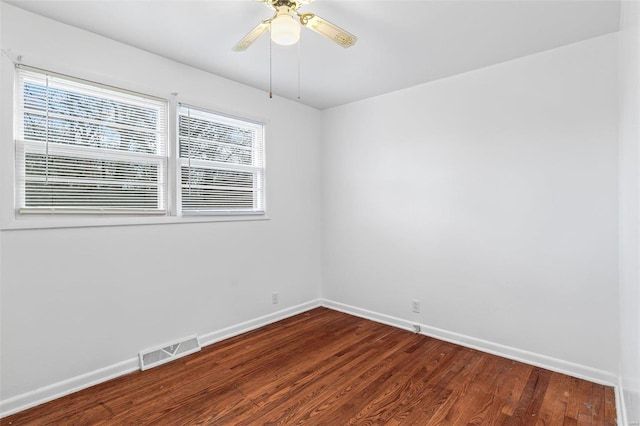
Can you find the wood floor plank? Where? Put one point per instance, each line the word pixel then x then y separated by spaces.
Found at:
pixel 609 406
pixel 553 406
pixel 515 386
pixel 358 387
pixel 324 378
pixel 324 367
pixel 407 384
pixel 398 384
pixel 428 406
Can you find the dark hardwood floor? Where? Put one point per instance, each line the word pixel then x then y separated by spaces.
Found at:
pixel 325 367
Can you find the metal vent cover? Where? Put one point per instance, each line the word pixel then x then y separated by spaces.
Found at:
pixel 168 352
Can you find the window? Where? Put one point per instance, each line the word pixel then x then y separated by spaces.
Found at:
pixel 86 148
pixel 221 163
pixel 83 148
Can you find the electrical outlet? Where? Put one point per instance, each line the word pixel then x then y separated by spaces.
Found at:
pixel 415 306
pixel 274 298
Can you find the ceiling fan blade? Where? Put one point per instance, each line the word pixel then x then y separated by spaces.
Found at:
pixel 253 35
pixel 327 29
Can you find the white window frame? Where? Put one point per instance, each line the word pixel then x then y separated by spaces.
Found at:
pixel 24 146
pixel 257 168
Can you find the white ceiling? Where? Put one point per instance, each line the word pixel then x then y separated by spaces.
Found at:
pixel 400 43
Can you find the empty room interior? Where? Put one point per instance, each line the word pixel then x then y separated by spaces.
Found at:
pixel 320 212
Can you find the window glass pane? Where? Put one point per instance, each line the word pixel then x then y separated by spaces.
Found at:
pixel 98 135
pixel 200 139
pixel 215 177
pixel 38 97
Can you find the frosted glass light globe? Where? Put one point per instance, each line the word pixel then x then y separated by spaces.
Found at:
pixel 284 29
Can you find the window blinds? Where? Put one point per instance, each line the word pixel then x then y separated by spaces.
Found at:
pixel 87 148
pixel 221 163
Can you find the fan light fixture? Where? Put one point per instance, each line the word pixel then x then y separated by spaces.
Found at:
pixel 284 29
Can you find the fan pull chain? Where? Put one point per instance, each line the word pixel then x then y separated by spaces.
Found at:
pixel 299 43
pixel 270 64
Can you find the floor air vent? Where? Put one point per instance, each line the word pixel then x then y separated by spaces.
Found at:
pixel 168 352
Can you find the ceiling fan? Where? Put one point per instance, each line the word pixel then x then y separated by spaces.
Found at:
pixel 286 31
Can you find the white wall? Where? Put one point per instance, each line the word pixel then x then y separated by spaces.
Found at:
pixel 491 197
pixel 75 300
pixel 630 208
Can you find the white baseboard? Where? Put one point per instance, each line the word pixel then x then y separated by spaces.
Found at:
pixel 532 358
pixel 234 330
pixel 621 409
pixel 57 390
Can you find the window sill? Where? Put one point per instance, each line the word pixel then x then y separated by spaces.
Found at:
pixel 48 222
